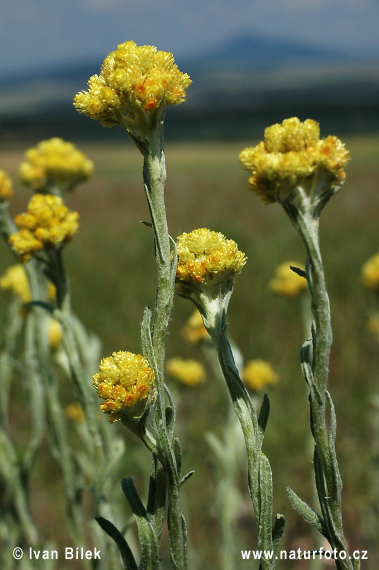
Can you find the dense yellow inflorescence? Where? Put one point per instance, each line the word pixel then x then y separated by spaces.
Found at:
pixel 257 374
pixel 286 282
pixel 207 257
pixel 291 154
pixel 124 380
pixel 15 281
pixel 75 412
pixel 370 272
pixel 54 163
pixel 132 78
pixel 46 224
pixel 6 186
pixel 188 371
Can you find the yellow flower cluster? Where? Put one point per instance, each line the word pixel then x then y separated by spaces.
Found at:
pixel 55 333
pixel 207 257
pixel 54 163
pixel 16 281
pixel 189 372
pixel 370 272
pixel 194 330
pixel 124 380
pixel 6 186
pixel 46 224
pixel 132 78
pixel 291 154
pixel 257 374
pixel 286 282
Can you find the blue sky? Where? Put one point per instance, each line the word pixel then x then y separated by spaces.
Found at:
pixel 44 33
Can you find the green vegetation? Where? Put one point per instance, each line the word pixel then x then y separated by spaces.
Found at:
pixel 110 261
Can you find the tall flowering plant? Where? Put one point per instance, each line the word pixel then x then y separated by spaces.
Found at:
pixel 301 171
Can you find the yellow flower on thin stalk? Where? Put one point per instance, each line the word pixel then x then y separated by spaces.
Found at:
pixel 47 223
pixel 6 186
pixel 293 165
pixel 207 258
pixel 134 83
pixel 257 374
pixel 187 371
pixel 54 165
pixel 286 282
pixel 124 382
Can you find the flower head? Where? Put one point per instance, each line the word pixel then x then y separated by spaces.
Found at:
pixel 55 333
pixel 206 258
pixel 48 223
pixel 15 280
pixel 370 273
pixel 133 83
pixel 6 186
pixel 257 374
pixel 54 164
pixel 188 371
pixel 293 163
pixel 286 282
pixel 75 412
pixel 124 381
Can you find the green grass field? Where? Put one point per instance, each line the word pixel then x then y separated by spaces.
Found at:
pixel 112 273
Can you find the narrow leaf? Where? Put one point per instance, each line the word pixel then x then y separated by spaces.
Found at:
pixel 265 501
pixel 277 531
pixel 124 548
pixel 263 416
pixel 308 514
pixel 186 477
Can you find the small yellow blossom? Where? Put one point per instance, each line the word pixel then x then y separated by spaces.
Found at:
pixel 124 380
pixel 370 272
pixel 6 186
pixel 286 282
pixel 257 374
pixel 75 412
pixel 132 79
pixel 55 333
pixel 194 330
pixel 372 324
pixel 291 158
pixel 54 164
pixel 207 258
pixel 189 372
pixel 16 281
pixel 47 223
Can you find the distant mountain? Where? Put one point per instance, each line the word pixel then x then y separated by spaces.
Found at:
pixel 250 75
pixel 254 51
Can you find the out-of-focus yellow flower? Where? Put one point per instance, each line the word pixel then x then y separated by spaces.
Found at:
pixel 47 223
pixel 125 380
pixel 370 272
pixel 75 412
pixel 207 258
pixel 286 282
pixel 16 281
pixel 6 186
pixel 372 324
pixel 54 164
pixel 132 79
pixel 194 330
pixel 258 374
pixel 293 160
pixel 55 333
pixel 188 371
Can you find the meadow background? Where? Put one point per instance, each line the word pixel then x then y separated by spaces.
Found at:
pixel 112 274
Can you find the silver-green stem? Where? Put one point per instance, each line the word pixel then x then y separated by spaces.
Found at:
pixel 154 173
pixel 322 411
